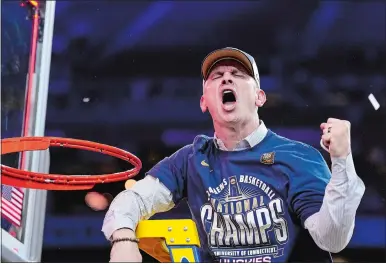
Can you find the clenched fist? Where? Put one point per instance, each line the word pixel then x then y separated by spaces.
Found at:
pixel 336 137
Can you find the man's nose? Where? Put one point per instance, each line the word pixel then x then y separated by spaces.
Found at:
pixel 227 78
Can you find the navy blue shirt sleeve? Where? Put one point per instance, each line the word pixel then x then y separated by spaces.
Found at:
pixel 172 172
pixel 308 178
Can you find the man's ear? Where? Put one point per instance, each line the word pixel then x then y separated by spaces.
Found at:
pixel 203 104
pixel 260 98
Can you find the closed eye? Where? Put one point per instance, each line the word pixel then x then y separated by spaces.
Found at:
pixel 238 73
pixel 217 75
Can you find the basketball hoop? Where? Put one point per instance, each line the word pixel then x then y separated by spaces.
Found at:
pixel 33 180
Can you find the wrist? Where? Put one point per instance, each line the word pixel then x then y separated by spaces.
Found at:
pixel 123 233
pixel 342 156
pixel 129 240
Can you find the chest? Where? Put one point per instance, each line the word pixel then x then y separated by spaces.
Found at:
pixel 239 201
pixel 236 183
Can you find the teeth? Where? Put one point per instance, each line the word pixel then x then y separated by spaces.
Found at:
pixel 227 91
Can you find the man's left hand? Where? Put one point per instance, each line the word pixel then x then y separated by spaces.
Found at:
pixel 336 136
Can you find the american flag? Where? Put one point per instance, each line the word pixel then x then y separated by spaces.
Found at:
pixel 12 203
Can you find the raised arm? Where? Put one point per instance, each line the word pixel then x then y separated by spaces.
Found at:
pixel 325 202
pixel 333 225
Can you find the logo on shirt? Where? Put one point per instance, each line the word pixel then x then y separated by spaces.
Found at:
pixel 244 220
pixel 203 163
pixel 268 158
pixel 234 189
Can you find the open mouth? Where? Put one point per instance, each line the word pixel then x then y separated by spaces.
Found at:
pixel 228 97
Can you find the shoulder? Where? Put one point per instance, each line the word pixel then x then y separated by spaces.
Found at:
pixel 290 146
pixel 297 159
pixel 200 144
pixel 183 152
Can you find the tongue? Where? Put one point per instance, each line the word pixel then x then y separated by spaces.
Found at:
pixel 228 106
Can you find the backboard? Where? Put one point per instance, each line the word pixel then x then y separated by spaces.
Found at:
pixel 24 82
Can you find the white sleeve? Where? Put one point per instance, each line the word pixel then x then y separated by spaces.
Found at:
pixel 332 227
pixel 144 199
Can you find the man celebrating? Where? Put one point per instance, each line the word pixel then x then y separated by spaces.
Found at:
pixel 249 189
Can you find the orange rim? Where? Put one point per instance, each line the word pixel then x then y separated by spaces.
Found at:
pixel 27 179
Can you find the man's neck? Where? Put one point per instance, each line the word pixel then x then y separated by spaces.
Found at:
pixel 232 134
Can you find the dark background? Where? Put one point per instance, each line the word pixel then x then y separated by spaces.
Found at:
pixel 127 74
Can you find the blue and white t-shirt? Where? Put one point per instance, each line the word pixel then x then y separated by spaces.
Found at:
pixel 249 205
